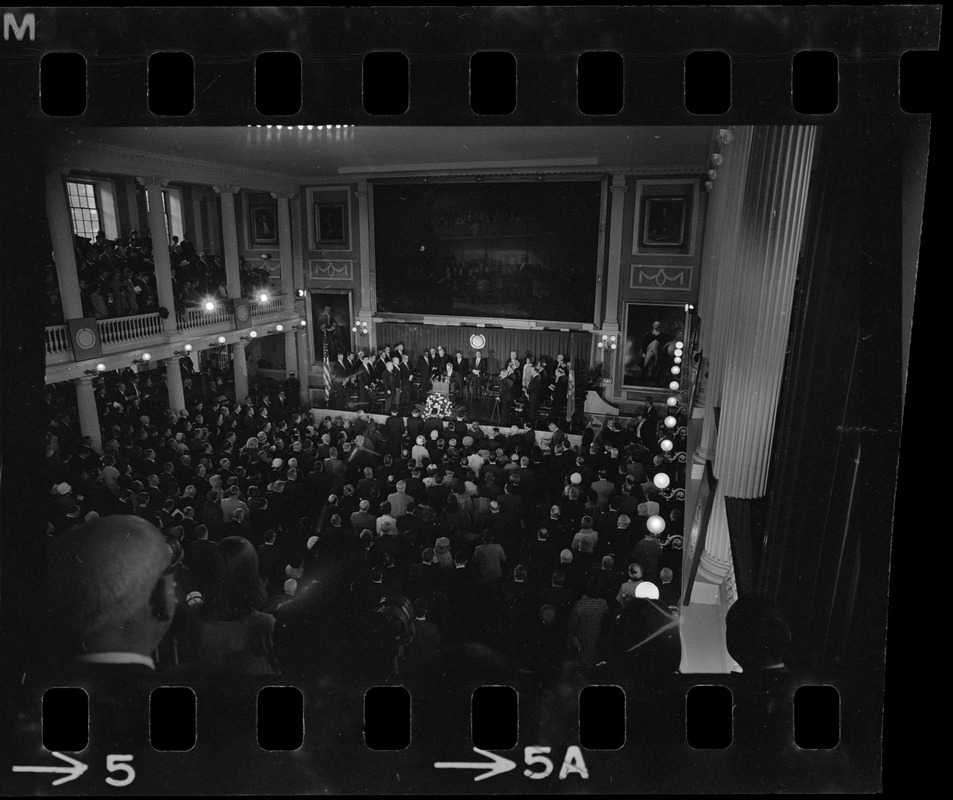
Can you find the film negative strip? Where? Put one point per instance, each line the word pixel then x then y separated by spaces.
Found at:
pixel 720 207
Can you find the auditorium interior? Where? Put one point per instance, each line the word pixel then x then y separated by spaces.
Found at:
pixel 731 304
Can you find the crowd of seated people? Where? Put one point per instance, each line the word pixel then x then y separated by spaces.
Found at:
pixel 294 531
pixel 403 379
pixel 117 277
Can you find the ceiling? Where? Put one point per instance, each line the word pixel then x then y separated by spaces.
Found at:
pixel 333 150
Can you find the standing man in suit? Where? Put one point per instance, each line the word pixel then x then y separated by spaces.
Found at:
pixel 507 393
pixel 391 380
pixel 364 377
pixel 477 369
pixel 425 368
pixel 440 361
pixel 534 394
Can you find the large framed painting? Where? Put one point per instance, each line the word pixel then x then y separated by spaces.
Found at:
pixel 264 225
pixel 331 323
pixel 651 337
pixel 663 221
pixel 330 224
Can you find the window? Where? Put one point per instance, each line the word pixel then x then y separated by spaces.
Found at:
pixel 84 210
pixel 172 208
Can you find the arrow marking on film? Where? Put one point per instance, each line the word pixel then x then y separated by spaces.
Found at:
pixel 496 766
pixel 73 771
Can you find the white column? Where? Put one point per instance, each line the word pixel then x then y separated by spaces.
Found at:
pixel 198 235
pixel 284 243
pixel 160 250
pixel 759 288
pixel 304 365
pixel 173 377
pixel 64 253
pixel 132 206
pixel 291 353
pixel 214 224
pixel 230 236
pixel 718 277
pixel 196 359
pixel 88 415
pixel 365 230
pixel 614 260
pixel 240 371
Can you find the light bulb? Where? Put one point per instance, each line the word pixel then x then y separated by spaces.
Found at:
pixel 670 421
pixel 678 351
pixel 188 348
pixel 279 327
pixel 210 306
pixel 221 340
pixel 263 298
pixel 674 386
pixel 672 401
pixel 655 524
pixel 661 480
pixel 146 357
pixel 252 334
pixel 676 369
pixel 304 323
pixel 679 344
pixel 100 368
pixel 677 360
pixel 666 445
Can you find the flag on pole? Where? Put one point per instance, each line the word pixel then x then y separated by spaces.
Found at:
pixel 571 395
pixel 327 374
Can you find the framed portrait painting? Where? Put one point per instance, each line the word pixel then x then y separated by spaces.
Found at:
pixel 651 337
pixel 330 224
pixel 264 225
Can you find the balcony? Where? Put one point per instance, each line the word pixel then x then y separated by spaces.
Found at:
pixel 120 334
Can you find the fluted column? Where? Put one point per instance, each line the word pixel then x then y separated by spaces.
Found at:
pixel 160 249
pixel 88 415
pixel 368 278
pixel 759 290
pixel 304 365
pixel 173 377
pixel 240 371
pixel 284 242
pixel 132 206
pixel 64 253
pixel 230 237
pixel 614 259
pixel 291 353
pixel 718 280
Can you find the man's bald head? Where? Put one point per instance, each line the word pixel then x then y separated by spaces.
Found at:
pixel 107 590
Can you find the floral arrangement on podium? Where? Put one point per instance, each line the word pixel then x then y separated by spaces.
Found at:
pixel 438 405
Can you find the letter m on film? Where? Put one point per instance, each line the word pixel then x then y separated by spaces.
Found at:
pixel 19 30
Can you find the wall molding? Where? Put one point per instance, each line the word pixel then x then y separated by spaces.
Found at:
pixel 116 160
pixel 331 269
pixel 642 276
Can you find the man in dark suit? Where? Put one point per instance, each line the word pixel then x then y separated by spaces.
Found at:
pixel 364 376
pixel 391 381
pixel 394 428
pixel 461 368
pixel 440 361
pixel 477 369
pixel 534 394
pixel 507 394
pixel 425 368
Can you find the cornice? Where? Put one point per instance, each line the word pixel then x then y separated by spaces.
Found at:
pixel 674 170
pixel 118 160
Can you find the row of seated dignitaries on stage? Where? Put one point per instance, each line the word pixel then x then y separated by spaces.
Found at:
pixel 403 377
pixel 284 533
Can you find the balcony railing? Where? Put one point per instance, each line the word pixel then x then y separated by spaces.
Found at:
pixel 57 340
pixel 194 318
pixel 130 329
pixel 271 306
pixel 117 332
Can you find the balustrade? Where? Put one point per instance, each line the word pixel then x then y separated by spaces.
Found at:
pixel 130 329
pixel 57 339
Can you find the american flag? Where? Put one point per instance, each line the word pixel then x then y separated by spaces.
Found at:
pixel 571 394
pixel 327 374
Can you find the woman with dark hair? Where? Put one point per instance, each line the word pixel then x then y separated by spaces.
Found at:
pixel 228 633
